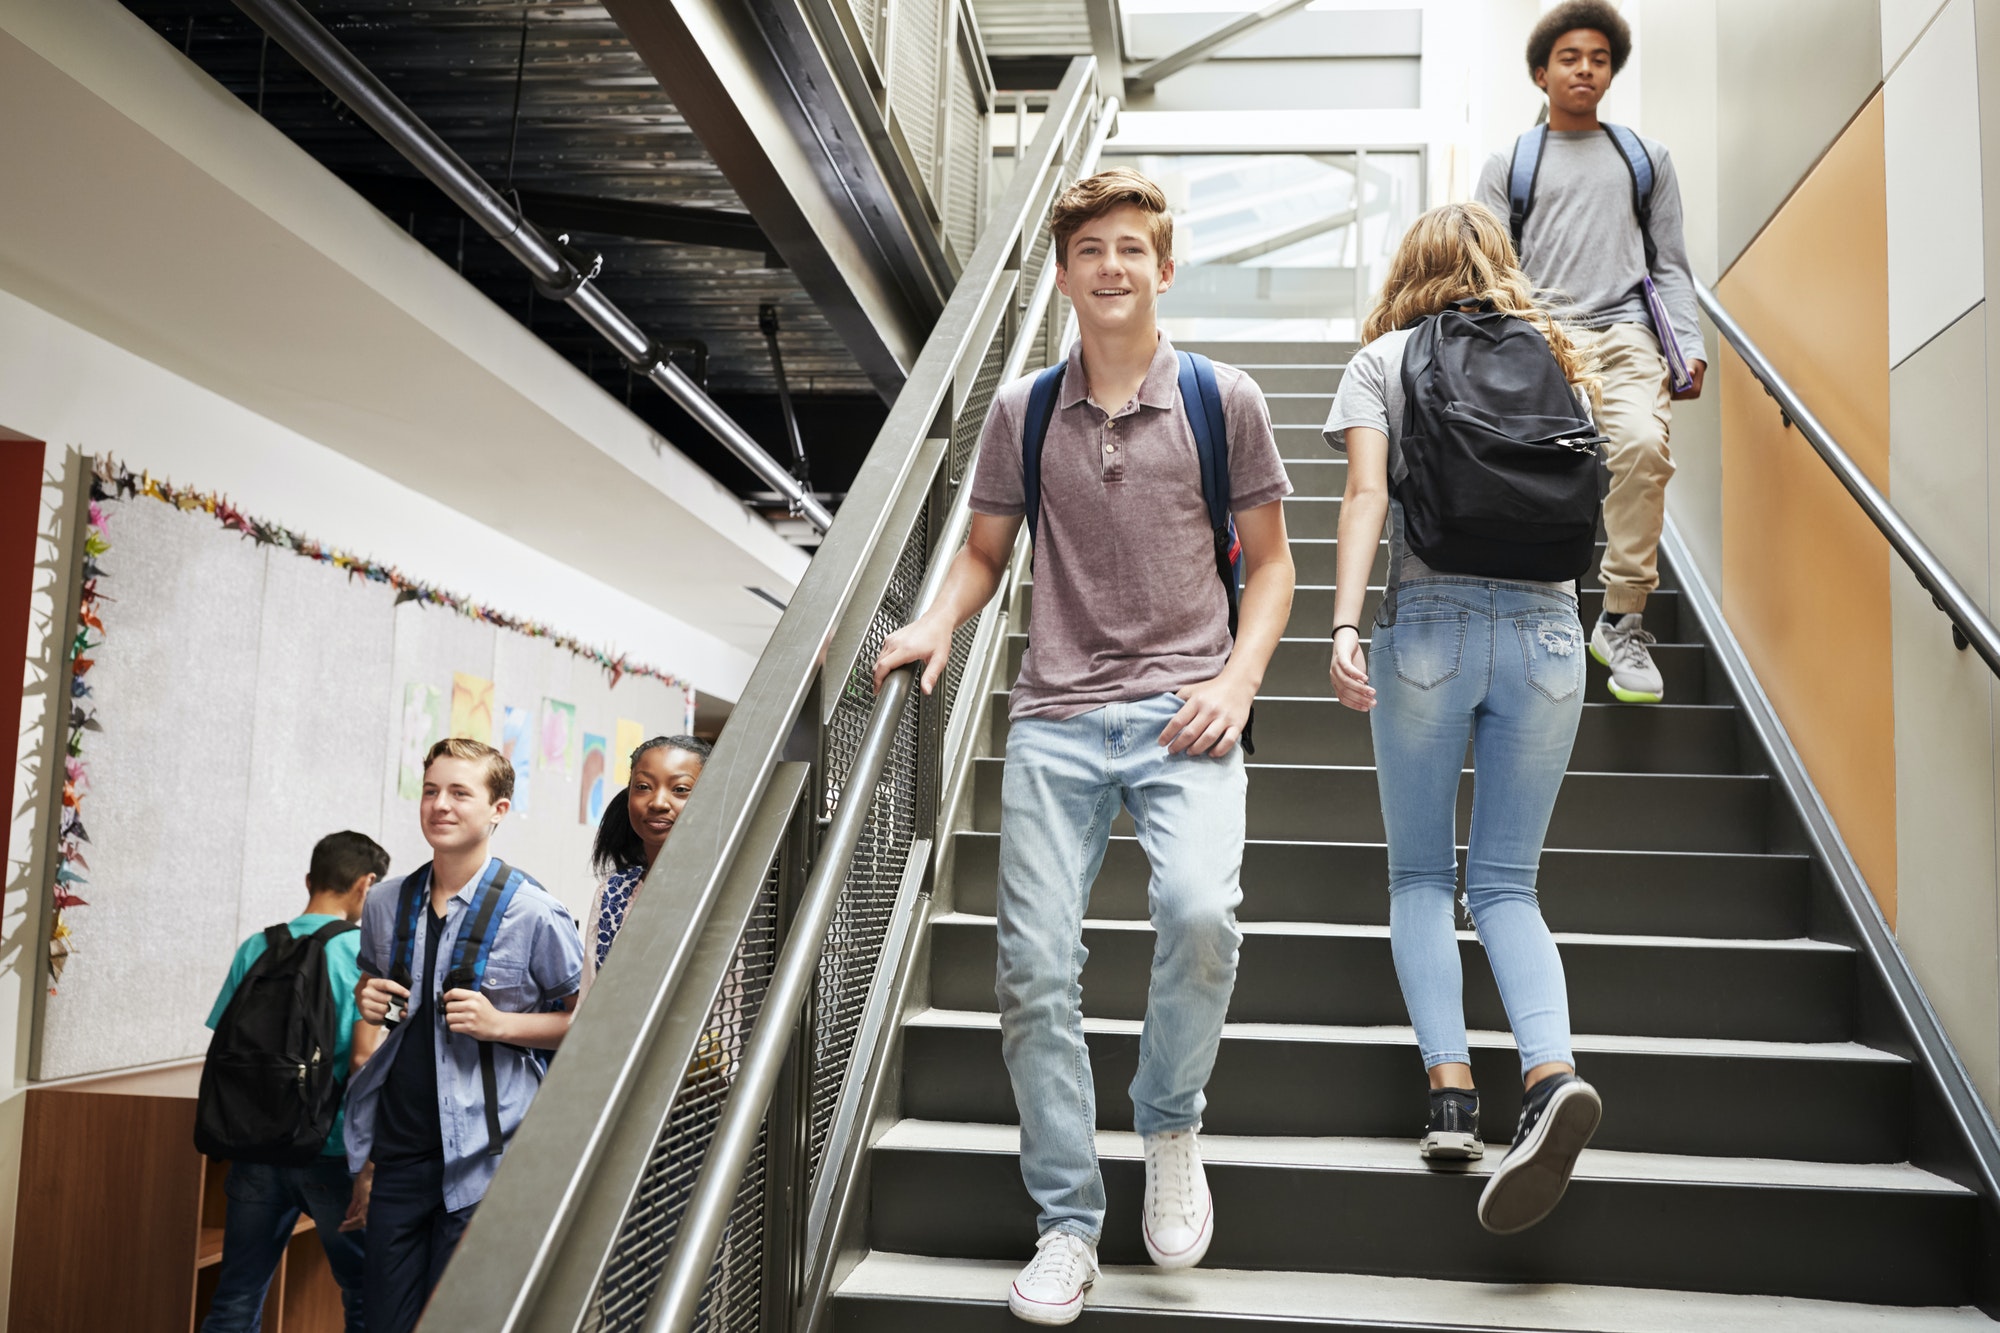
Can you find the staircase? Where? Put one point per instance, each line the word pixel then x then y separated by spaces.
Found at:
pixel 1754 1167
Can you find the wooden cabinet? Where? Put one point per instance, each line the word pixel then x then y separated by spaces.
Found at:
pixel 119 1220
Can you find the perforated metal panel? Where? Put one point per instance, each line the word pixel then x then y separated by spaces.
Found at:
pixel 964 157
pixel 868 18
pixel 733 1299
pixel 867 899
pixel 915 33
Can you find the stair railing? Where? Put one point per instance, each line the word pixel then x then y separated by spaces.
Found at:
pixel 1969 625
pixel 690 1157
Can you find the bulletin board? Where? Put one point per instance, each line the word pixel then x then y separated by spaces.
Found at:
pixel 239 691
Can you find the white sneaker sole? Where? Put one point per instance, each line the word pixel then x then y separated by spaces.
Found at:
pixel 1190 1256
pixel 1451 1148
pixel 1044 1312
pixel 1532 1179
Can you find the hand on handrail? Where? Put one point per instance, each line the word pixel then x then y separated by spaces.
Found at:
pixel 927 639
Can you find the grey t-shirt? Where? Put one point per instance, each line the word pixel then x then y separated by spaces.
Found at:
pixel 1581 245
pixel 1127 603
pixel 1371 394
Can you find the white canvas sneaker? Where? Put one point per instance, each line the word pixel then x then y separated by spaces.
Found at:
pixel 1050 1289
pixel 1179 1216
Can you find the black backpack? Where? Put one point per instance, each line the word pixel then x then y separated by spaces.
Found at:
pixel 1504 478
pixel 269 1089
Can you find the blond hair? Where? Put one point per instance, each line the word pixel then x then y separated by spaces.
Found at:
pixel 1094 196
pixel 1458 254
pixel 499 773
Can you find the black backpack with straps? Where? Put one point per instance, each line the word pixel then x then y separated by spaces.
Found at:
pixel 469 955
pixel 1504 477
pixel 270 1087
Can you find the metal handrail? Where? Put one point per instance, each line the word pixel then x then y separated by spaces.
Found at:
pixel 553 267
pixel 707 1216
pixel 527 1264
pixel 1969 623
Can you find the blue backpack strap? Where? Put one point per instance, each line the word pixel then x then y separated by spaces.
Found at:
pixel 1640 164
pixel 1521 176
pixel 1034 429
pixel 468 969
pixel 416 888
pixel 1202 398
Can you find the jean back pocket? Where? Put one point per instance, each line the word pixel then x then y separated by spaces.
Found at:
pixel 1429 646
pixel 1552 651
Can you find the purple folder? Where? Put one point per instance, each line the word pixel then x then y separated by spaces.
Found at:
pixel 1670 347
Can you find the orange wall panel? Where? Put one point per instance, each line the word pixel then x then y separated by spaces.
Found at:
pixel 1805 574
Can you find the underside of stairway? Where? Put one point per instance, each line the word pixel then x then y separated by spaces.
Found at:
pixel 1773 1154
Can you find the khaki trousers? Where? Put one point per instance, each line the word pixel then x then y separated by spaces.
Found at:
pixel 1635 416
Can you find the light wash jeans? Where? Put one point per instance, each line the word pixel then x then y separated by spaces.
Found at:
pixel 1503 663
pixel 1063 786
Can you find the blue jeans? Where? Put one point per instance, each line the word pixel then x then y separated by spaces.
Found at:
pixel 1502 663
pixel 264 1206
pixel 1064 783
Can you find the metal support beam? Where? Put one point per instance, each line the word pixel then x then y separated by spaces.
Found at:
pixel 676 224
pixel 767 320
pixel 556 269
pixel 755 81
pixel 1107 43
pixel 1201 48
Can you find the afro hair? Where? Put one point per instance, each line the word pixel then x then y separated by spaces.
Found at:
pixel 1599 15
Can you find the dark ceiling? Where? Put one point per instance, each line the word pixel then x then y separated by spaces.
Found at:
pixel 550 100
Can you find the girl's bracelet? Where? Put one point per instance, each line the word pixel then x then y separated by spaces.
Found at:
pixel 1335 632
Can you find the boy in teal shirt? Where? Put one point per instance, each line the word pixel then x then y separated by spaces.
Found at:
pixel 265 1201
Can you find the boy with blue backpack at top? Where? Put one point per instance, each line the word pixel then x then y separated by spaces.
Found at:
pixel 1595 214
pixel 1128 462
pixel 475 968
pixel 286 1032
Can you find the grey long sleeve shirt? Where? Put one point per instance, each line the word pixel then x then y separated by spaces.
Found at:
pixel 1581 244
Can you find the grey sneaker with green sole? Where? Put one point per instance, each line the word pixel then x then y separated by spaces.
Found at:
pixel 1622 646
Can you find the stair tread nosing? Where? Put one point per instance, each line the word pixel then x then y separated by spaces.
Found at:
pixel 1416 1303
pixel 1583 1043
pixel 1397 1156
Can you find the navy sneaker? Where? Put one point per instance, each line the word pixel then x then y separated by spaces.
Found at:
pixel 1453 1133
pixel 1558 1116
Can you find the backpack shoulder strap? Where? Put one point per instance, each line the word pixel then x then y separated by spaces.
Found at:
pixel 1522 173
pixel 474 945
pixel 468 971
pixel 332 930
pixel 1034 429
pixel 1640 164
pixel 1203 400
pixel 416 887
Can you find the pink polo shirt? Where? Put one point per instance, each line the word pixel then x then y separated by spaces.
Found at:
pixel 1127 603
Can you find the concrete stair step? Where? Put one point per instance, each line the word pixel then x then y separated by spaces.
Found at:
pixel 1660 1094
pixel 1612 738
pixel 1797 990
pixel 1700 895
pixel 1611 811
pixel 1890 1234
pixel 904 1293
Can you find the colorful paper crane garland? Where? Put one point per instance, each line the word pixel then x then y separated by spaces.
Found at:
pixel 117 482
pixel 71 865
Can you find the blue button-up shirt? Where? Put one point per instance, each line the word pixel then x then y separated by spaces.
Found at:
pixel 537 961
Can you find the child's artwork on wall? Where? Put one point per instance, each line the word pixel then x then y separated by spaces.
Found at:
pixel 590 805
pixel 472 707
pixel 517 742
pixel 423 727
pixel 629 737
pixel 559 736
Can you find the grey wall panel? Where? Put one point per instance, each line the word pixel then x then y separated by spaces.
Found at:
pixel 1946 874
pixel 1790 74
pixel 1357 84
pixel 1307 35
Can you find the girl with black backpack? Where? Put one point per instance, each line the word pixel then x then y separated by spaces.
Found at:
pixel 1466 428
